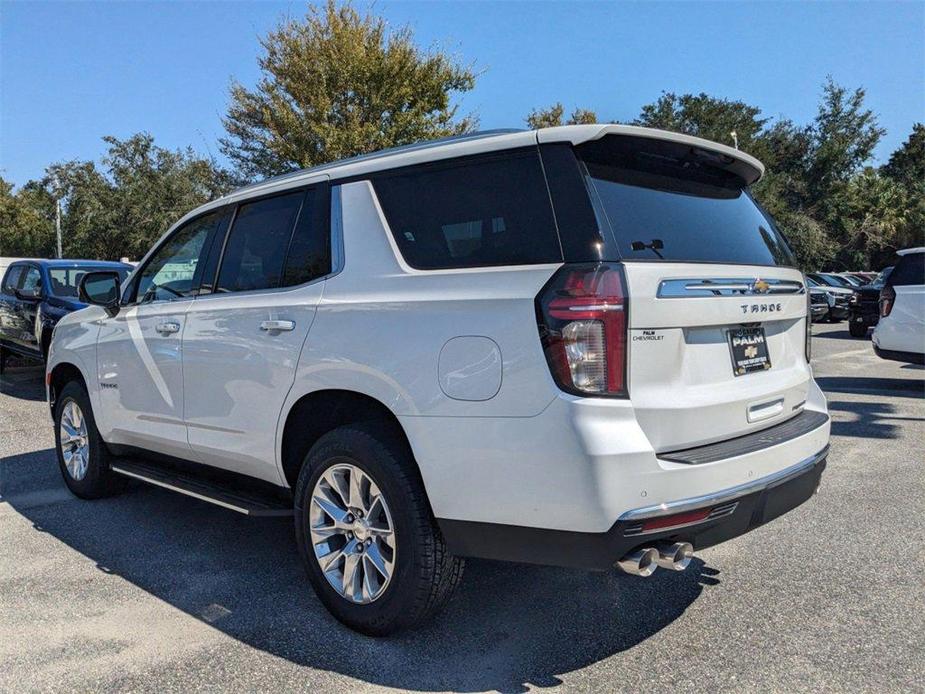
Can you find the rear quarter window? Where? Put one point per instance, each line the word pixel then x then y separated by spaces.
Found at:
pixel 910 270
pixel 473 212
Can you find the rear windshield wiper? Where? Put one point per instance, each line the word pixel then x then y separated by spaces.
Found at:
pixel 655 246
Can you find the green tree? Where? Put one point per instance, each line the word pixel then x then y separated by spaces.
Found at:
pixel 26 221
pixel 118 209
pixel 906 167
pixel 907 164
pixel 704 116
pixel 338 83
pixel 553 116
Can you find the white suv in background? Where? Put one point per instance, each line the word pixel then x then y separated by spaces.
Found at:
pixel 584 346
pixel 900 332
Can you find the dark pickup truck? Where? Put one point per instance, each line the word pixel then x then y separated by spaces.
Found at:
pixel 864 306
pixel 34 295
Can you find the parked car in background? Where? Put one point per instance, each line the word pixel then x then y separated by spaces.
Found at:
pixel 900 332
pixel 830 279
pixel 819 304
pixel 864 278
pixel 34 295
pixel 838 299
pixel 852 279
pixel 864 305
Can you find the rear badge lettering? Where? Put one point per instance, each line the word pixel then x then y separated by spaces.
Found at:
pixel 648 336
pixel 760 308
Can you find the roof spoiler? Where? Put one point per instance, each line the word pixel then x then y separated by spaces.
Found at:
pixel 743 165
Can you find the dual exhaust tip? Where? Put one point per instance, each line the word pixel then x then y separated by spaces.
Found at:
pixel 644 561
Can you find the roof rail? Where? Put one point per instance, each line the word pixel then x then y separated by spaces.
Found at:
pixel 424 144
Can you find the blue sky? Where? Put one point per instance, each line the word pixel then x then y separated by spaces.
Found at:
pixel 71 72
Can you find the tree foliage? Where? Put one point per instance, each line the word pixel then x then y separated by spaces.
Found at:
pixel 552 116
pixel 117 211
pixel 338 83
pixel 836 210
pixel 26 221
pixel 704 116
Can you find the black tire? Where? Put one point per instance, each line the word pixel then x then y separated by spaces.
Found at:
pixel 425 574
pixel 99 480
pixel 857 329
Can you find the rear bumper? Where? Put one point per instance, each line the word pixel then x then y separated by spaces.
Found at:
pixel 894 355
pixel 734 511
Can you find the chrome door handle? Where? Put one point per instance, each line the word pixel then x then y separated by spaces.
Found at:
pixel 167 328
pixel 269 325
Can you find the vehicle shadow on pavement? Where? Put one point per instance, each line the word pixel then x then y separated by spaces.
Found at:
pixel 892 387
pixel 23 382
pixel 508 627
pixel 872 420
pixel 840 335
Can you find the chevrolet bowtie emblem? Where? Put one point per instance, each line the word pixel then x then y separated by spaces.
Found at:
pixel 759 286
pixel 751 352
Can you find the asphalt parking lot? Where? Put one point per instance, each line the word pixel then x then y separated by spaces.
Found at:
pixel 151 591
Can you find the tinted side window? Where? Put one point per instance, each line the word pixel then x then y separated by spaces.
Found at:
pixel 309 254
pixel 11 281
pixel 174 272
pixel 909 270
pixel 257 244
pixel 473 212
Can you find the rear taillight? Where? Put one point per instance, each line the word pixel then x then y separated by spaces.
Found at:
pixel 887 299
pixel 582 314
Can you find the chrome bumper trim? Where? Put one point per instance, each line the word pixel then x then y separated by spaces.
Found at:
pixel 728 494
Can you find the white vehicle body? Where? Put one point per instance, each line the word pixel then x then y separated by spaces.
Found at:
pixel 900 335
pixel 513 465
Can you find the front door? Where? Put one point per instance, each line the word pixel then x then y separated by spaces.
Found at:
pixel 26 309
pixel 242 341
pixel 139 354
pixel 9 304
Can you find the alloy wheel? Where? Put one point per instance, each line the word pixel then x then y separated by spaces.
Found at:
pixel 352 533
pixel 75 442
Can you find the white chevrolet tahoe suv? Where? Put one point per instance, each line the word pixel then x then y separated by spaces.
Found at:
pixel 900 332
pixel 582 346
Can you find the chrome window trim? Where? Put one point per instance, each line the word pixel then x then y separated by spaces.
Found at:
pixel 726 286
pixel 695 502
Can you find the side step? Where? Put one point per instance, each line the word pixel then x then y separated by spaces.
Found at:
pixel 214 493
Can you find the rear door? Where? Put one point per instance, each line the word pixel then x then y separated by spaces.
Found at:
pixel 244 334
pixel 25 311
pixel 717 312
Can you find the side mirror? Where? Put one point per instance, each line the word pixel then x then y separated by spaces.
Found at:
pixel 100 289
pixel 32 294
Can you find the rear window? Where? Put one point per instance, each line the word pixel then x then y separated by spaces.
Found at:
pixel 665 201
pixel 473 212
pixel 909 270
